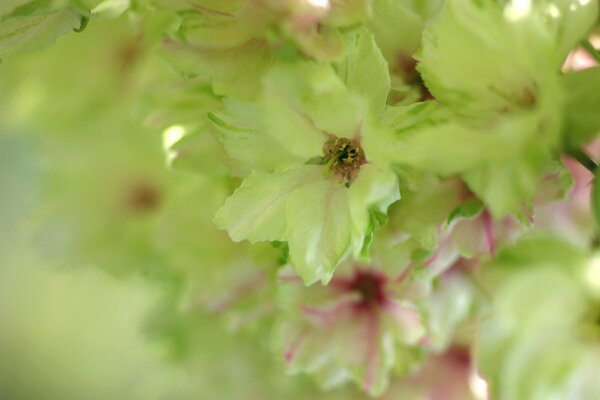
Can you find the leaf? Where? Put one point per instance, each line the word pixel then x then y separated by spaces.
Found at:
pixel 468 209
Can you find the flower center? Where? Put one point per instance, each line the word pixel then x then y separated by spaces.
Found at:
pixel 371 287
pixel 343 157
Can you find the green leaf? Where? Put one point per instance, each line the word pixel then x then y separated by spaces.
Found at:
pixel 377 219
pixel 582 119
pixel 468 209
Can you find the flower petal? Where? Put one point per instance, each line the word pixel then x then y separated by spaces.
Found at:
pixel 319 229
pixel 240 127
pixel 256 210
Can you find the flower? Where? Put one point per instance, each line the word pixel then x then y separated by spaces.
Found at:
pixel 234 43
pixel 498 123
pixel 359 328
pixel 317 174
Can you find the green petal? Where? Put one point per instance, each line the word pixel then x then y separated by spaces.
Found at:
pixel 364 70
pixel 319 229
pixel 569 21
pixel 348 12
pixel 321 43
pixel 373 189
pixel 235 72
pixel 34 31
pixel 425 208
pixel 245 139
pixel 513 59
pixel 256 211
pixel 317 103
pixel 505 185
pixel 288 92
pixel 396 27
pixel 438 144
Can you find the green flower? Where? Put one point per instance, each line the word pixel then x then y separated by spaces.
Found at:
pixel 541 341
pixel 501 117
pixel 234 43
pixel 316 163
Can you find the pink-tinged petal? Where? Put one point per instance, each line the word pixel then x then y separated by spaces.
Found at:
pixel 407 320
pixel 489 231
pixel 402 277
pixel 372 356
pixel 580 59
pixel 238 292
pixel 293 349
pixel 469 236
pixel 348 335
pixel 327 316
pixel 443 377
pixel 290 278
pixel 443 258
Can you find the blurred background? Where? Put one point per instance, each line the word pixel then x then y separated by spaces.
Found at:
pixel 93 302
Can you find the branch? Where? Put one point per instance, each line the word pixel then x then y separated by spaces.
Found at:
pixel 589 47
pixel 583 159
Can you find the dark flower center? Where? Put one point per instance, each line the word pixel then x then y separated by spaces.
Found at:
pixel 343 157
pixel 371 287
pixel 142 197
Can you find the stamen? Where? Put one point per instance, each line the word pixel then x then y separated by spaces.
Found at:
pixel 343 157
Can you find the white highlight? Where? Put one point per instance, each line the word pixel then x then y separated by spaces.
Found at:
pixel 553 11
pixel 479 387
pixel 172 135
pixel 591 274
pixel 319 3
pixel 517 9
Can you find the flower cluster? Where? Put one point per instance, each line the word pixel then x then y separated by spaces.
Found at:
pixel 405 185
